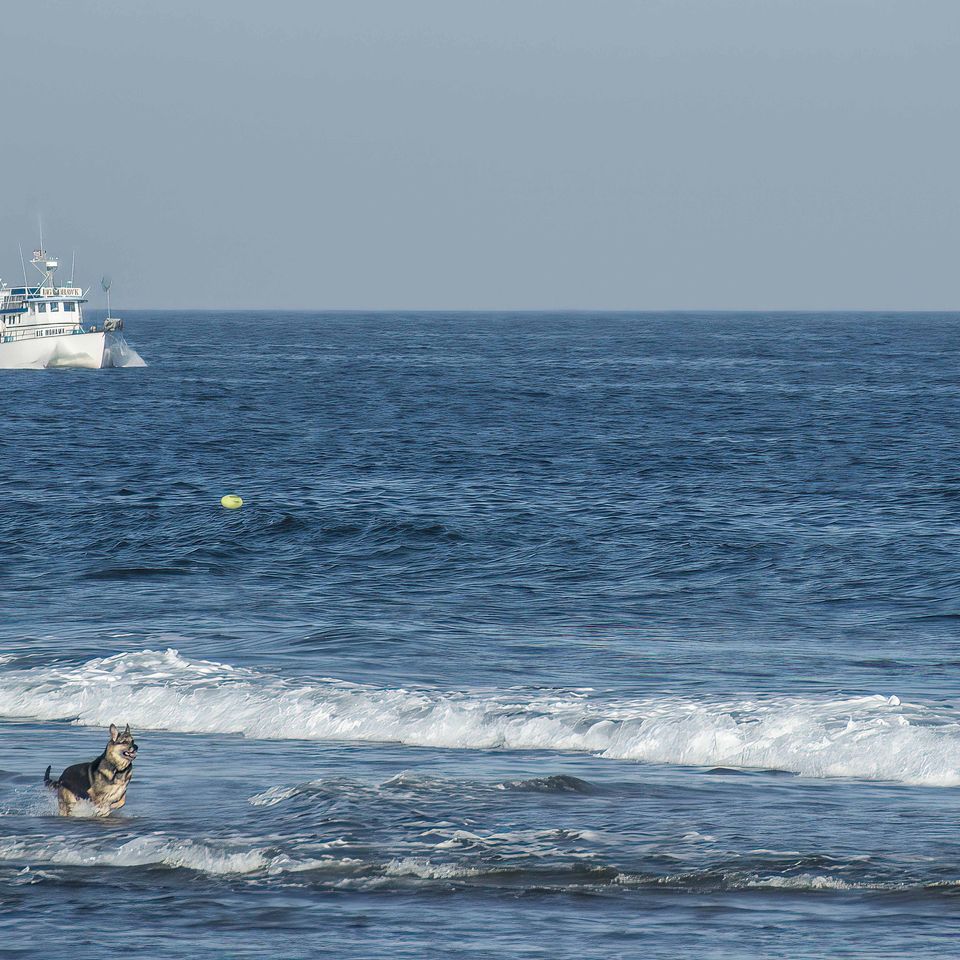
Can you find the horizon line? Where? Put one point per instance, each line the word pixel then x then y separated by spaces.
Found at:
pixel 645 311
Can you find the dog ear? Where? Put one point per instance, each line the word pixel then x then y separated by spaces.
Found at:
pixel 113 731
pixel 126 732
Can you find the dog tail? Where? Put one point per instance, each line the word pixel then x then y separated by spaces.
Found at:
pixel 47 782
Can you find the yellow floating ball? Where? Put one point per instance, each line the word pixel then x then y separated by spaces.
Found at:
pixel 231 501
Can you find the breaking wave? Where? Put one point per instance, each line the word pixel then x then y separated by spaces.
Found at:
pixel 139 852
pixel 424 869
pixel 36 856
pixel 871 737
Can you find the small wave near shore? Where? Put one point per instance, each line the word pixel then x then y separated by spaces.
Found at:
pixel 869 737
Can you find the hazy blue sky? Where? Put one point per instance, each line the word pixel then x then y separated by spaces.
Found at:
pixel 637 154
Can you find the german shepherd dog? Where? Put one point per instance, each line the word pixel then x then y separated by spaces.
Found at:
pixel 102 782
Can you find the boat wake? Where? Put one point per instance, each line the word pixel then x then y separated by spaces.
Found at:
pixel 871 737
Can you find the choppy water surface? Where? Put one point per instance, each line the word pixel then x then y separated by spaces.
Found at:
pixel 538 635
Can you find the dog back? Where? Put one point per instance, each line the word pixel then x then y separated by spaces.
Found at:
pixel 78 779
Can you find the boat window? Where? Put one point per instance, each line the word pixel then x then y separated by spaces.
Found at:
pixel 54 307
pixel 42 307
pixel 70 307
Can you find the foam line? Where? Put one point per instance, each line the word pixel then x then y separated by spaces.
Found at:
pixel 873 737
pixel 142 851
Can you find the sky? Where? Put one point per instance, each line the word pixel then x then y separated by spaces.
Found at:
pixel 490 154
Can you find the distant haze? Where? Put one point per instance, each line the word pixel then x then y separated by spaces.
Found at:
pixel 432 154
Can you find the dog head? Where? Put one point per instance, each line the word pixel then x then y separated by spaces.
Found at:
pixel 121 750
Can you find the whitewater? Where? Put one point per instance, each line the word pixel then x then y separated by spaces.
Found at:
pixel 875 737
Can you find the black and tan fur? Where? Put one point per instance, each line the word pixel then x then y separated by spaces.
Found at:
pixel 101 782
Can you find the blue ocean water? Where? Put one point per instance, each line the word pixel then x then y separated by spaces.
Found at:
pixel 538 635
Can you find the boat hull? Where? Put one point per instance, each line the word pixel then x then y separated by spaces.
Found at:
pixel 88 350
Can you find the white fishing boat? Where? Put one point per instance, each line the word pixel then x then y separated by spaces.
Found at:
pixel 43 326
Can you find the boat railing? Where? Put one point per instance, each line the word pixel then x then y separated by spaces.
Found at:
pixel 37 333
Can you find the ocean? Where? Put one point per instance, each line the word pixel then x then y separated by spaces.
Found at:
pixel 538 635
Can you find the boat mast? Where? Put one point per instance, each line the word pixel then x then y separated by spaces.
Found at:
pixel 48 267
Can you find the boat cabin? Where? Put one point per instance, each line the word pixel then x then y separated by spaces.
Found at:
pixel 45 310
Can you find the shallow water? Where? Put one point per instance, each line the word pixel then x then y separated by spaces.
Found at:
pixel 537 635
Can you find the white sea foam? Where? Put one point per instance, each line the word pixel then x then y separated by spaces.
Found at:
pixel 204 856
pixel 425 869
pixel 272 796
pixel 811 881
pixel 873 737
pixel 209 857
pixel 139 852
pixel 800 882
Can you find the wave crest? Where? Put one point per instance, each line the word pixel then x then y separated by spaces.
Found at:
pixel 871 737
pixel 139 852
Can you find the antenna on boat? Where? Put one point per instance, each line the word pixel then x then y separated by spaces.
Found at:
pixel 73 267
pixel 106 283
pixel 23 264
pixel 45 265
